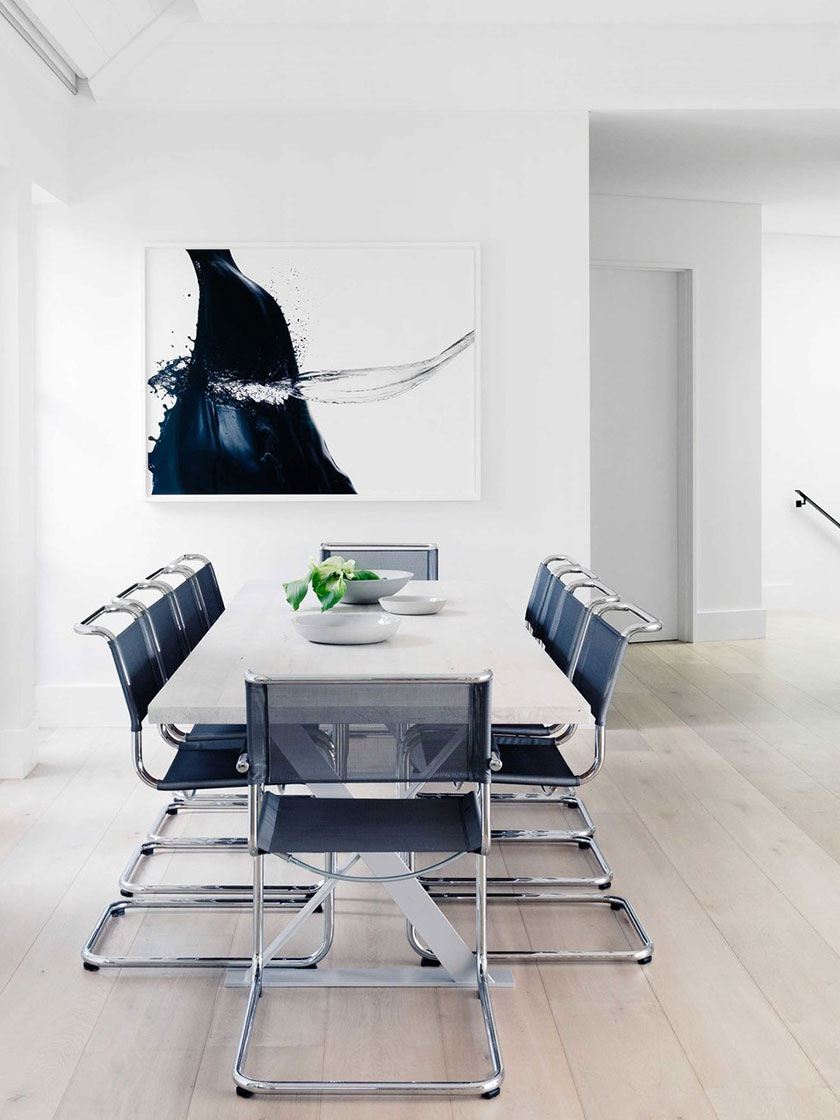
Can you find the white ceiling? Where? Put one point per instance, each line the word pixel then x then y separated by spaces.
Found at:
pixel 89 33
pixel 787 161
pixel 520 11
pixel 746 122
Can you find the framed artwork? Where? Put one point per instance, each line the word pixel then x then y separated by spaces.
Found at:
pixel 312 372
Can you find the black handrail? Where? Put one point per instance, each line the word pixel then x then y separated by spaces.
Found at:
pixel 803 499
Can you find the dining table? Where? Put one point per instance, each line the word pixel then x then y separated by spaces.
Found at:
pixel 477 629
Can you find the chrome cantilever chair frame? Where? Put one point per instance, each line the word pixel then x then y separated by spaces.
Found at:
pixel 584 837
pixel 246 1085
pixel 130 885
pixel 642 953
pixel 559 734
pixel 217 900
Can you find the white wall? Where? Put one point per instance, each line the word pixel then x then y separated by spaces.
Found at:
pixel 400 64
pixel 721 243
pixel 33 151
pixel 801 410
pixel 516 183
pixel 35 113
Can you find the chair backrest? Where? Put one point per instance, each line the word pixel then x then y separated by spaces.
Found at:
pixel 566 618
pixel 538 611
pixel 419 559
pixel 602 650
pixel 194 618
pixel 169 639
pixel 440 729
pixel 189 602
pixel 135 655
pixel 542 581
pixel 162 619
pixel 208 584
pixel 598 665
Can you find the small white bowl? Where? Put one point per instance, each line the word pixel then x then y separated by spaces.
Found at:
pixel 371 590
pixel 413 604
pixel 345 628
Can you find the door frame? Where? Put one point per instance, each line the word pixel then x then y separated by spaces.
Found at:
pixel 687 442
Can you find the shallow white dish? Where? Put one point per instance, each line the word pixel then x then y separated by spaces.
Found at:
pixel 413 604
pixel 372 590
pixel 345 628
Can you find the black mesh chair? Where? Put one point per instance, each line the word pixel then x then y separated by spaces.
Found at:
pixel 564 624
pixel 167 638
pixel 538 762
pixel 198 604
pixel 139 652
pixel 445 736
pixel 420 559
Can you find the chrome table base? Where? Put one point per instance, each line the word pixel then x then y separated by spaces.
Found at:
pixel 408 977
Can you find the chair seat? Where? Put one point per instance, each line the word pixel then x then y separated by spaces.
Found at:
pixel 531 762
pixel 215 737
pixel 204 769
pixel 356 824
pixel 519 729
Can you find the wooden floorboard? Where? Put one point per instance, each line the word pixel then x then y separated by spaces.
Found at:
pixel 719 809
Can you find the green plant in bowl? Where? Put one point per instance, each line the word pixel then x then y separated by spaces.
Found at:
pixel 328 580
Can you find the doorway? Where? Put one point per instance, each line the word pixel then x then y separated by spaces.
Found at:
pixel 641 439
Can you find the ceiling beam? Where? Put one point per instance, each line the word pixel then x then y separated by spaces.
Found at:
pixel 40 44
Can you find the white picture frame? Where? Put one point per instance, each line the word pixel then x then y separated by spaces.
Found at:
pixel 349 306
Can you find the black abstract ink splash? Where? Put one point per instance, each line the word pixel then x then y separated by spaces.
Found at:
pixel 239 422
pixel 248 446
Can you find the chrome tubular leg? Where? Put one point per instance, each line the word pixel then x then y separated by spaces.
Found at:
pixel 601 880
pixel 642 953
pixel 425 954
pixel 130 886
pixel 490 1087
pixel 255 990
pixel 277 901
pixel 94 960
pixel 245 1085
pixel 585 831
pixel 259 920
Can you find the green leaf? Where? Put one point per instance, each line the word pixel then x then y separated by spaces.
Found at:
pixel 331 590
pixel 362 573
pixel 320 580
pixel 331 564
pixel 296 591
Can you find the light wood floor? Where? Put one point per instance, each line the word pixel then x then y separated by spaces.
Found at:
pixel 720 811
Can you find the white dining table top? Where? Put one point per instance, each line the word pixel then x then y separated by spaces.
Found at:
pixel 476 630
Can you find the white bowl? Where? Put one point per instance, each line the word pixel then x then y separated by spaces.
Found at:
pixel 345 628
pixel 413 604
pixel 372 590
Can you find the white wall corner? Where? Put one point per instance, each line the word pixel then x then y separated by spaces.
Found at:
pixel 80 705
pixel 728 626
pixel 18 751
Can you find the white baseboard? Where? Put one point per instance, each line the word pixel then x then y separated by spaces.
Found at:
pixel 80 705
pixel 728 626
pixel 18 751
